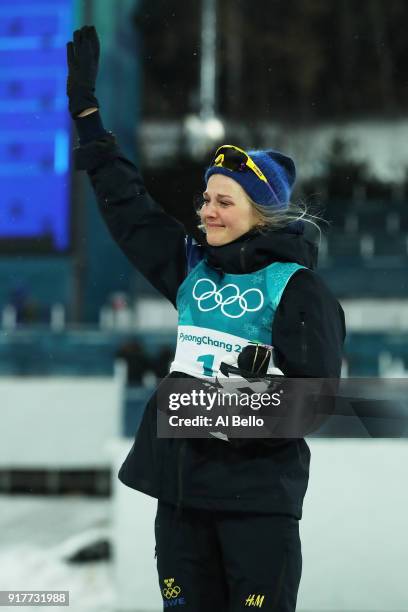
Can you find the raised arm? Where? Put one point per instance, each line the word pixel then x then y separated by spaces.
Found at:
pixel 153 241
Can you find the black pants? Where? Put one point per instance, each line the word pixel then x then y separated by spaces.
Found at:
pixel 225 562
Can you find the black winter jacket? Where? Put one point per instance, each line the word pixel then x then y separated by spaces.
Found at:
pixel 267 476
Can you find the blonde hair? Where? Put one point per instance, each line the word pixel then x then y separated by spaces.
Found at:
pixel 272 218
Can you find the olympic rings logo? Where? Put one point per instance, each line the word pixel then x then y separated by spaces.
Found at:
pixel 216 298
pixel 171 592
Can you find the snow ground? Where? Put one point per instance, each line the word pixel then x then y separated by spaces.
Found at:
pixel 37 534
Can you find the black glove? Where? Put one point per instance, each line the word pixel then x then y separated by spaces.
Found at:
pixel 82 58
pixel 252 371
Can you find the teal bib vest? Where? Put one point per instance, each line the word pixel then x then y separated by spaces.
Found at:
pixel 219 316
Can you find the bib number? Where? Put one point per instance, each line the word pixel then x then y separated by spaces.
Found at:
pixel 208 362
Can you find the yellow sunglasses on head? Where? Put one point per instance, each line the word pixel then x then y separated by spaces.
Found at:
pixel 237 160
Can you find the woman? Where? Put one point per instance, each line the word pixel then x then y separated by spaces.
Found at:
pixel 227 525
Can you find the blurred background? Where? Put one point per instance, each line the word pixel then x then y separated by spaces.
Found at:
pixel 84 338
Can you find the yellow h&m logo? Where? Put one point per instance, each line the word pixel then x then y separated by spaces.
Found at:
pixel 255 600
pixel 169 590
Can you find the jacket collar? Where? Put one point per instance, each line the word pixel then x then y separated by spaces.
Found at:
pixel 255 250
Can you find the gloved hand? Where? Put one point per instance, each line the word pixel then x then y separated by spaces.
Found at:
pixel 82 58
pixel 252 371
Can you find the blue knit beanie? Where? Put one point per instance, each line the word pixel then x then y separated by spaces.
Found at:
pixel 279 170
